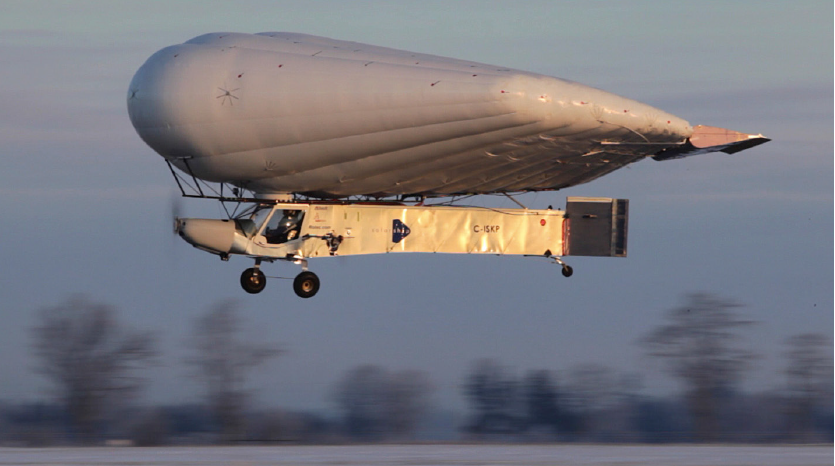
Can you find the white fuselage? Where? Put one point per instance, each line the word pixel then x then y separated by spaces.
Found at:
pixel 588 227
pixel 291 113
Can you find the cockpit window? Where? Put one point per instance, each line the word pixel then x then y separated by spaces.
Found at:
pixel 260 214
pixel 246 227
pixel 284 226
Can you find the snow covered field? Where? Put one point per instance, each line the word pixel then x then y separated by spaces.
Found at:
pixel 428 455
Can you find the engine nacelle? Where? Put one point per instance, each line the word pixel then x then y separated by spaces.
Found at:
pixel 210 235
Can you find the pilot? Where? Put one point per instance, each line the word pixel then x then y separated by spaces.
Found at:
pixel 288 227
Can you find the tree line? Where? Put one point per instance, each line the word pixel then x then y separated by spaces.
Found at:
pixel 94 366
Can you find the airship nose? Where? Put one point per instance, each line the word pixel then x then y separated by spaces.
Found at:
pixel 148 98
pixel 210 235
pixel 162 105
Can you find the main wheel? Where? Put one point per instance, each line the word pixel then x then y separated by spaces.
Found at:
pixel 567 271
pixel 253 281
pixel 306 284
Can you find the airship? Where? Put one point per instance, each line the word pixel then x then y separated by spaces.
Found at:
pixel 327 147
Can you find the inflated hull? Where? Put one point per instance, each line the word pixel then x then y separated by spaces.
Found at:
pixel 292 113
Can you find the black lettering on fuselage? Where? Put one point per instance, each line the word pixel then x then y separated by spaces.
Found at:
pixel 485 228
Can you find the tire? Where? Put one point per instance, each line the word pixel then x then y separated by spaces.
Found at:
pixel 253 281
pixel 567 271
pixel 306 285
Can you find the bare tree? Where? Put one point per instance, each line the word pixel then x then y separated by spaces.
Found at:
pixel 543 399
pixel 700 346
pixel 494 395
pixel 592 386
pixel 360 395
pixel 591 391
pixel 379 404
pixel 222 359
pixel 408 400
pixel 91 360
pixel 809 377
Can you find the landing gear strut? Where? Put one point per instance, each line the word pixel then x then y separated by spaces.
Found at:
pixel 567 271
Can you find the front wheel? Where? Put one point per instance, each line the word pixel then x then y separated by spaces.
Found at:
pixel 306 284
pixel 253 281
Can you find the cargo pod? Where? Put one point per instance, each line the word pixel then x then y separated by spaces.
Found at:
pixel 596 226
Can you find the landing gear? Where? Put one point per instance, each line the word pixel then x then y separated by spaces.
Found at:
pixel 253 280
pixel 567 271
pixel 306 284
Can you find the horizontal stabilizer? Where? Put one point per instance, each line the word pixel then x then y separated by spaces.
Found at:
pixel 711 139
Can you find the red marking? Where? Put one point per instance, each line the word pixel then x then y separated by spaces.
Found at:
pixel 625 111
pixel 582 103
pixel 502 92
pixel 240 75
pixel 475 75
pixel 542 222
pixel 668 122
pixel 280 66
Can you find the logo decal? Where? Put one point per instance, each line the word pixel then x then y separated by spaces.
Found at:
pixel 399 230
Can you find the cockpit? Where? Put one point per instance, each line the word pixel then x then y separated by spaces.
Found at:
pixel 284 227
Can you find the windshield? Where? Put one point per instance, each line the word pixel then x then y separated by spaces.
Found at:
pixel 259 215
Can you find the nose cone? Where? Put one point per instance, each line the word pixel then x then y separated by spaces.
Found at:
pixel 214 236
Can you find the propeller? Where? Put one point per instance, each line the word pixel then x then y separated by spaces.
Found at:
pixel 176 208
pixel 174 222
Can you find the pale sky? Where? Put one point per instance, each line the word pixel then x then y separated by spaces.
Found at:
pixel 87 203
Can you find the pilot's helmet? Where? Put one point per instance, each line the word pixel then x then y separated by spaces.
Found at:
pixel 291 219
